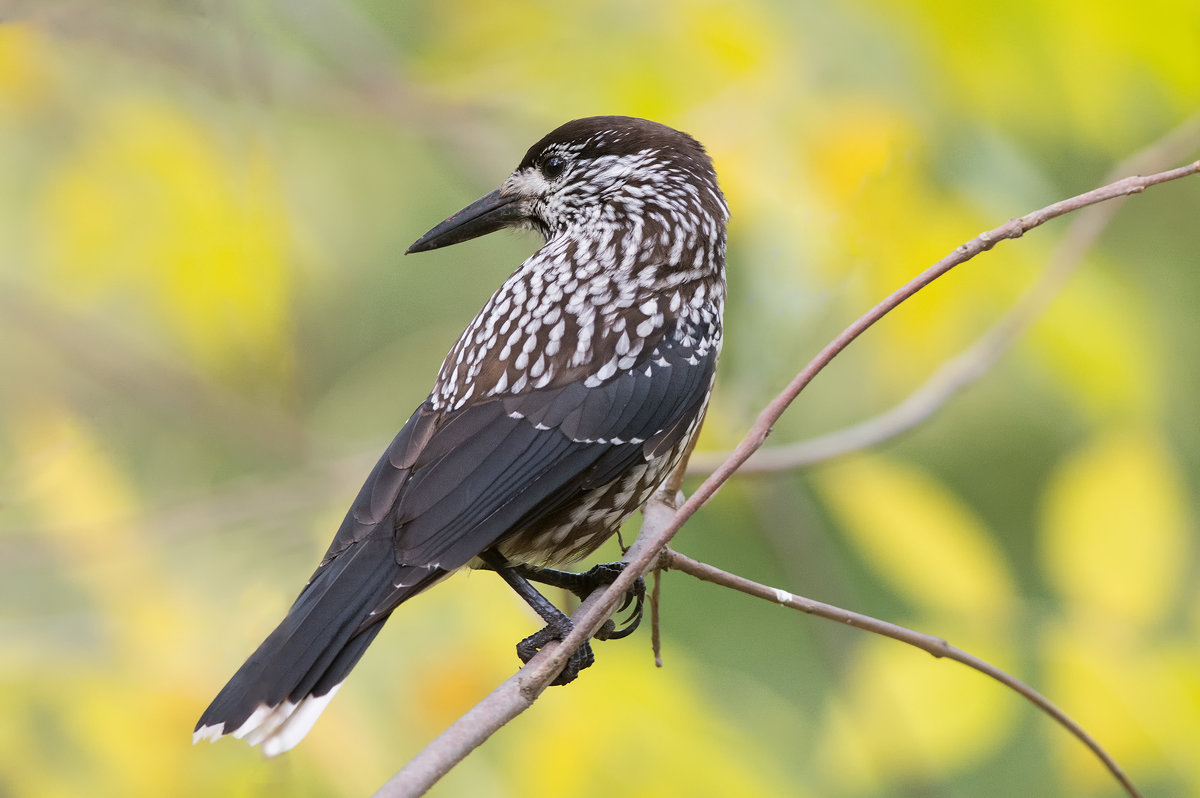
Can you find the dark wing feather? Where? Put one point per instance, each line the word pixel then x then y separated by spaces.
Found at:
pixel 528 454
pixel 673 407
pixel 452 484
pixel 377 498
pixel 490 490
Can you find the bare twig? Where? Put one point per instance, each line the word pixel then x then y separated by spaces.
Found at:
pixel 662 521
pixel 511 698
pixel 928 643
pixel 959 372
pixel 656 617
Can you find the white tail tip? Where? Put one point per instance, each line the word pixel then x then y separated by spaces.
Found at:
pixel 278 728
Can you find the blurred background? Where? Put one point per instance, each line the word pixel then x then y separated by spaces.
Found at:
pixel 209 333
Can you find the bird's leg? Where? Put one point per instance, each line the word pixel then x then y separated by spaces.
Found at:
pixel 557 627
pixel 584 584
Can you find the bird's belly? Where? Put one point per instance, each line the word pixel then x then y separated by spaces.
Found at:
pixel 576 530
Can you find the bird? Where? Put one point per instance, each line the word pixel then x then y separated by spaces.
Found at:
pixel 561 408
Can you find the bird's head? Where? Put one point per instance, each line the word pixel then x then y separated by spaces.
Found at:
pixel 602 173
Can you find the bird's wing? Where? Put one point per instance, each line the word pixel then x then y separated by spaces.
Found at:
pixel 449 487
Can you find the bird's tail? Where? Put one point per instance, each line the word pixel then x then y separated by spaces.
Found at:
pixel 277 695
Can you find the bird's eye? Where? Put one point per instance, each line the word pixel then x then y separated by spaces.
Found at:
pixel 553 166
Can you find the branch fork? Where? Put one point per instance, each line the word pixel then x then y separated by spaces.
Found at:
pixel 663 517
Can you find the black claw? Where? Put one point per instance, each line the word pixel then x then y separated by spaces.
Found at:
pixel 635 593
pixel 583 584
pixel 599 575
pixel 558 625
pixel 581 658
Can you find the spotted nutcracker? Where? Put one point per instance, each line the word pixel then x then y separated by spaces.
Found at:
pixel 560 409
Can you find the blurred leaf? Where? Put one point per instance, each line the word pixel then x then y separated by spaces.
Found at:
pixel 70 482
pixel 1140 701
pixel 650 756
pixel 24 74
pixel 903 716
pixel 918 536
pixel 125 683
pixel 148 206
pixel 219 181
pixel 1115 532
pixel 890 223
pixel 676 56
pixel 855 141
pixel 1098 345
pixel 1086 67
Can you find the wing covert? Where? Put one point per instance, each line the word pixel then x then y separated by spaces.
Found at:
pixel 503 463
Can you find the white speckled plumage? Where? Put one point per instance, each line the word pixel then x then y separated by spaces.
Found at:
pixel 622 233
pixel 560 409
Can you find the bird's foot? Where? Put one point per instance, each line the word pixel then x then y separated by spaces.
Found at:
pixel 558 625
pixel 557 630
pixel 586 583
pixel 605 574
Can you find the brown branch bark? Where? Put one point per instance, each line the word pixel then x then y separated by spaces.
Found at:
pixel 962 370
pixel 662 520
pixel 928 643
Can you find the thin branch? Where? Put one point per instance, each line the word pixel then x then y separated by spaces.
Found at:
pixel 468 732
pixel 656 617
pixel 959 372
pixel 927 643
pixel 662 521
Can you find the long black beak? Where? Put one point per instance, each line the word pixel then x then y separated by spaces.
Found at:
pixel 485 215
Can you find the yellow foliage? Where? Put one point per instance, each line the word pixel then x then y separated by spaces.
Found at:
pixel 23 70
pixel 487 50
pixel 1025 62
pixel 855 142
pixel 674 739
pixel 149 206
pixel 1097 344
pixel 919 537
pixel 1116 529
pixel 89 512
pixel 1141 702
pixel 903 714
pixel 109 700
pixel 889 223
pixel 85 500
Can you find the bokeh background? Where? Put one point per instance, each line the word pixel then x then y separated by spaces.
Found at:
pixel 208 333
